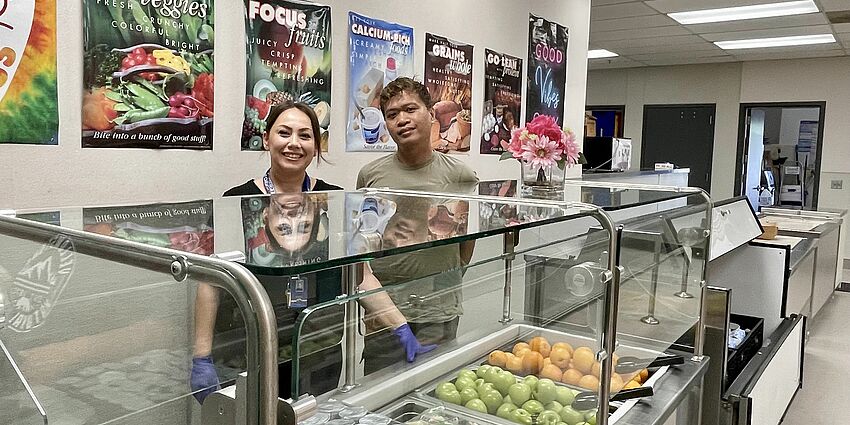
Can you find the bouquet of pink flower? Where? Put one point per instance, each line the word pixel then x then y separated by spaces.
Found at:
pixel 542 144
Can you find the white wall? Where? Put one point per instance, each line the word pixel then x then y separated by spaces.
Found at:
pixel 711 83
pixel 789 131
pixel 39 176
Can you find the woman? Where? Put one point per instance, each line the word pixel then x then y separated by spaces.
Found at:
pixel 293 139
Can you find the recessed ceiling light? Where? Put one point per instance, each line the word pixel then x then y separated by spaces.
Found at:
pixel 745 12
pixel 756 43
pixel 600 53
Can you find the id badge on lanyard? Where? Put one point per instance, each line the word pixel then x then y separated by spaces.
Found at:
pixel 296 292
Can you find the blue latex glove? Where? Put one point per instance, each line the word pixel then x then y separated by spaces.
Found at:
pixel 203 377
pixel 411 345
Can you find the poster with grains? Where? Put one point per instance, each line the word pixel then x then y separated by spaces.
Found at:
pixel 448 77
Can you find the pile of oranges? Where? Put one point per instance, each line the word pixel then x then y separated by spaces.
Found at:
pixel 560 362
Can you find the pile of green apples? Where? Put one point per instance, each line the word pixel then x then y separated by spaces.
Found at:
pixel 489 389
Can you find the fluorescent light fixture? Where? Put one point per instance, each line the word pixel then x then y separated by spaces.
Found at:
pixel 600 53
pixel 757 43
pixel 739 13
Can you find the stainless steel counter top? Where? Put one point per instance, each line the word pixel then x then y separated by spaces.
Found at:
pixel 670 393
pixel 590 175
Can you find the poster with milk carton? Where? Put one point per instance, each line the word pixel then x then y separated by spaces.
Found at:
pixel 380 52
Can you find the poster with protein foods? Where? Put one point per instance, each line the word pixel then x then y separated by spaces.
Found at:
pixel 448 77
pixel 502 101
pixel 379 53
pixel 29 112
pixel 148 74
pixel 286 229
pixel 547 69
pixel 289 58
pixel 184 226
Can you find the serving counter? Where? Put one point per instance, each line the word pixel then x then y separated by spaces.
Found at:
pixel 103 310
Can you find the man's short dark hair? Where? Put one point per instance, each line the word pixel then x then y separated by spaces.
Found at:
pixel 404 84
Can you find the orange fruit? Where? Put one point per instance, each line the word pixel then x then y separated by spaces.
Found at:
pixel 532 362
pixel 631 384
pixel 547 361
pixel 560 357
pixel 497 358
pixel 589 382
pixel 514 364
pixel 644 375
pixel 563 345
pixel 583 359
pixel 616 382
pixel 552 372
pixel 522 352
pixel 519 346
pixel 571 376
pixel 596 369
pixel 540 345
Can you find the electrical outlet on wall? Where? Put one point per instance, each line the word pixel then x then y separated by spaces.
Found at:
pixel 836 184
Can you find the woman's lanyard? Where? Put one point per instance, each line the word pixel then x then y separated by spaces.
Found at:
pixel 267 182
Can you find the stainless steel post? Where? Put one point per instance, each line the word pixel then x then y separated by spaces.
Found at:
pixel 509 245
pixel 686 275
pixel 650 318
pixel 699 338
pixel 609 333
pixel 349 277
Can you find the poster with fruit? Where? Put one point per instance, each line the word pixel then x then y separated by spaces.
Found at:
pixel 502 101
pixel 448 77
pixel 547 69
pixel 148 74
pixel 289 58
pixel 29 112
pixel 380 52
pixel 184 226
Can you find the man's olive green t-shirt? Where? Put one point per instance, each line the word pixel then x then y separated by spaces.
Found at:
pixel 432 277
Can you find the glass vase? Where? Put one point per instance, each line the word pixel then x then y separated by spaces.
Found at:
pixel 542 182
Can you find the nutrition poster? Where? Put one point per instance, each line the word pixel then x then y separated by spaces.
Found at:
pixel 502 101
pixel 148 74
pixel 289 58
pixel 448 77
pixel 29 110
pixel 185 226
pixel 379 53
pixel 547 69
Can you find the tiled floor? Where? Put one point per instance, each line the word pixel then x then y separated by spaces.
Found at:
pixel 823 400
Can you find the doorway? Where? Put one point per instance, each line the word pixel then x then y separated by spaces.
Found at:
pixel 604 120
pixel 682 135
pixel 779 153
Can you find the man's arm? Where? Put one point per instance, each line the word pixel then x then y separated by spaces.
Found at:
pixel 380 306
pixel 206 306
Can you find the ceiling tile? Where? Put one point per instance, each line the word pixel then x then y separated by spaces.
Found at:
pixel 778 32
pixel 837 27
pixel 670 62
pixel 623 10
pixel 667 6
pixel 643 50
pixel 613 63
pixel 834 5
pixel 639 33
pixel 844 37
pixel 761 24
pixel 607 2
pixel 655 41
pixel 797 54
pixel 630 23
pixel 677 56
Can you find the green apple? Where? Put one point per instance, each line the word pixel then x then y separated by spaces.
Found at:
pixel 506 411
pixel 531 381
pixel 590 419
pixel 562 423
pixel 519 393
pixel 571 416
pixel 554 406
pixel 464 383
pixel 533 406
pixel 445 387
pixel 546 391
pixel 468 394
pixel 508 399
pixel 582 423
pixel 477 405
pixel 548 417
pixel 486 387
pixel 482 370
pixel 452 397
pixel 493 399
pixel 492 374
pixel 565 396
pixel 504 381
pixel 521 416
pixel 479 382
pixel 466 373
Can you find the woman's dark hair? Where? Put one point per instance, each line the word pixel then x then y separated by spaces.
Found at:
pixel 280 108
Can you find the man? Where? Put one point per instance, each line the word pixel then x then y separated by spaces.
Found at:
pixel 429 280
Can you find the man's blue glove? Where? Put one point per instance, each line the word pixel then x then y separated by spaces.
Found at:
pixel 411 345
pixel 203 377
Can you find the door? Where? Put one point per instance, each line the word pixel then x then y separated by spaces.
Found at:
pixel 682 135
pixel 753 159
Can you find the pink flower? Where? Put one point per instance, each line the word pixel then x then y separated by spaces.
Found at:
pixel 571 149
pixel 545 125
pixel 540 152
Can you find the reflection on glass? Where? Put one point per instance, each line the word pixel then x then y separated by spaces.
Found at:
pixel 285 229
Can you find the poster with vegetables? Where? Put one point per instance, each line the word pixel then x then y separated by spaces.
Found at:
pixel 29 112
pixel 547 69
pixel 289 58
pixel 502 101
pixel 148 74
pixel 184 226
pixel 380 52
pixel 448 77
